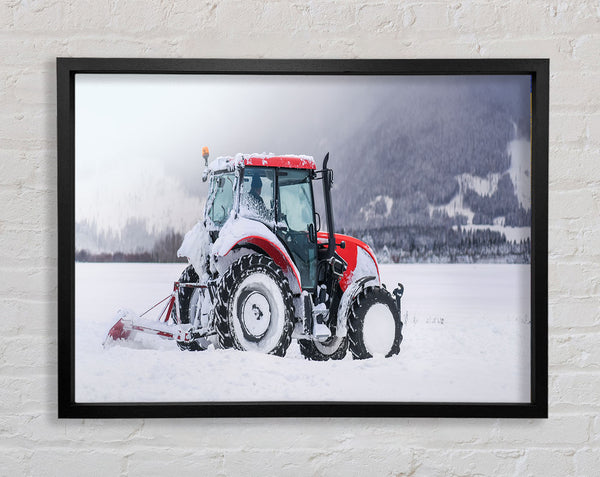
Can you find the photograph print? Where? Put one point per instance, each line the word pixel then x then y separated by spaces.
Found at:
pixel 254 238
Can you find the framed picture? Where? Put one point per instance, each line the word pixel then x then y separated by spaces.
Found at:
pixel 302 237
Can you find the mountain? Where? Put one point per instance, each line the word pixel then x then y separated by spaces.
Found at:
pixel 424 167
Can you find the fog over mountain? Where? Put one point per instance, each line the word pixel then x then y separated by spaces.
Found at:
pixel 421 164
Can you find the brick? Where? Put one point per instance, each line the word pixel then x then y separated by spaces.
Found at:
pixel 339 433
pixel 31 317
pixel 182 16
pixel 24 51
pixel 595 430
pixel 573 279
pixel 106 432
pixel 574 167
pixel 6 14
pixel 333 16
pixel 25 208
pixel 585 50
pixel 33 283
pixel 564 92
pixel 575 204
pixel 565 242
pixel 547 462
pixel 65 461
pixel 27 169
pixel 322 462
pixel 21 395
pixel 19 248
pixel 43 15
pixel 137 16
pixel 587 461
pixel 569 238
pixel 36 87
pixel 259 18
pixel 380 18
pixel 565 128
pixel 574 312
pixel 566 17
pixel 89 15
pixel 575 389
pixel 17 357
pixel 15 462
pixel 578 351
pixel 593 127
pixel 177 461
pixel 432 16
pixel 591 241
pixel 557 430
pixel 26 126
pixel 24 429
pixel 468 462
pixel 473 16
pixel 515 19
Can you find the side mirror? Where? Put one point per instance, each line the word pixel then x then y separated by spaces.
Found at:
pixel 318 220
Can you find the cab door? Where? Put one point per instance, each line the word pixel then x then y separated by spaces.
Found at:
pixel 296 224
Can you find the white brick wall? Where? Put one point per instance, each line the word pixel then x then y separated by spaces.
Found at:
pixel 34 442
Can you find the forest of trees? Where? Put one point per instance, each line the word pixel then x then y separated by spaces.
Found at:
pixel 418 244
pixel 163 251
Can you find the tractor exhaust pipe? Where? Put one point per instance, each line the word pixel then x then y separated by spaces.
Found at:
pixel 327 183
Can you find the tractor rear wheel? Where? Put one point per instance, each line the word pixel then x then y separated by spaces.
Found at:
pixel 374 325
pixel 333 348
pixel 254 309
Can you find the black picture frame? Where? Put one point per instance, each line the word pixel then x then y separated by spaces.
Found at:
pixel 67 68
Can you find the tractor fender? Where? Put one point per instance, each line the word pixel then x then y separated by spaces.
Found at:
pixel 357 254
pixel 242 233
pixel 346 301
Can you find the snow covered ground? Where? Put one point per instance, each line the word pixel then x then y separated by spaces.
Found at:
pixel 466 339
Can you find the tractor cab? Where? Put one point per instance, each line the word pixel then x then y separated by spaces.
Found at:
pixel 275 191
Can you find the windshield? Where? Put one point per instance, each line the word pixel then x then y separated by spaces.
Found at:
pixel 220 200
pixel 256 201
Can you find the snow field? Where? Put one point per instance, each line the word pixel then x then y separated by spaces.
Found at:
pixel 466 339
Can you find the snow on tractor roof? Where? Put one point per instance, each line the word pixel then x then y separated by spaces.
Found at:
pixel 266 160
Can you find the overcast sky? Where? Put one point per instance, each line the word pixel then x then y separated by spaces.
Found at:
pixel 139 137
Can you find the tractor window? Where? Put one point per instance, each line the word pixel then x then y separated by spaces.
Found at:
pixel 296 200
pixel 256 201
pixel 221 198
pixel 295 215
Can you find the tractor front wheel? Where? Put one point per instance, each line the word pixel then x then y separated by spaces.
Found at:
pixel 254 309
pixel 334 347
pixel 374 326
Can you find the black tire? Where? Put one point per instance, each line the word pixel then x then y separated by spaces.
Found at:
pixel 254 307
pixel 189 275
pixel 364 301
pixel 334 348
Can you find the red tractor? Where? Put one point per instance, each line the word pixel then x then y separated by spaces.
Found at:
pixel 261 272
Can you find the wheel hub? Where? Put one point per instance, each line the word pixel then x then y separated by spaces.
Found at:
pixel 255 316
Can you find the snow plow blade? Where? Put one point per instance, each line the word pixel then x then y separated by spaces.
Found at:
pixel 128 324
pixel 121 330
